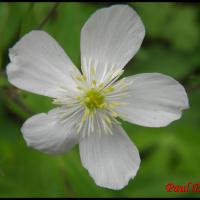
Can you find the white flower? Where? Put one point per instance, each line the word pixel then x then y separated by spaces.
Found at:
pixel 88 104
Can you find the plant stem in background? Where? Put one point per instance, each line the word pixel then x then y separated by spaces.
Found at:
pixel 48 16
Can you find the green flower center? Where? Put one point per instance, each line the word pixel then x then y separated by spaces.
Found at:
pixel 93 99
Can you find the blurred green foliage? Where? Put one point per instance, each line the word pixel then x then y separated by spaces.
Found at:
pixel 169 154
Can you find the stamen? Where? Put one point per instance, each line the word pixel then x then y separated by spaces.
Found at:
pixel 92 70
pixel 108 90
pixel 79 87
pixel 81 78
pixel 114 114
pixel 96 99
pixel 101 86
pixel 107 119
pixel 86 114
pixel 94 83
pixel 78 98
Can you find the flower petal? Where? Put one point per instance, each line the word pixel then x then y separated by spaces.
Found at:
pixel 154 100
pixel 45 132
pixel 39 65
pixel 110 159
pixel 109 39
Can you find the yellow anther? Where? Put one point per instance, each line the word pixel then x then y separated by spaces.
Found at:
pixel 86 114
pixel 87 99
pixel 94 82
pixel 114 104
pixel 78 98
pixel 101 86
pixel 79 87
pixel 84 78
pixel 108 89
pixel 108 120
pixel 81 78
pixel 114 114
pixel 92 70
pixel 69 105
pixel 103 105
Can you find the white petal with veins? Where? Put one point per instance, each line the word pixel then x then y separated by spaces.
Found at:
pixel 40 65
pixel 152 100
pixel 48 133
pixel 109 39
pixel 112 160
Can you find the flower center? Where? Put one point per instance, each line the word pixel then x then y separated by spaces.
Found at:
pixel 93 99
pixel 93 104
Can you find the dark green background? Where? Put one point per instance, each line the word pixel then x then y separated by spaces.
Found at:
pixel 169 154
